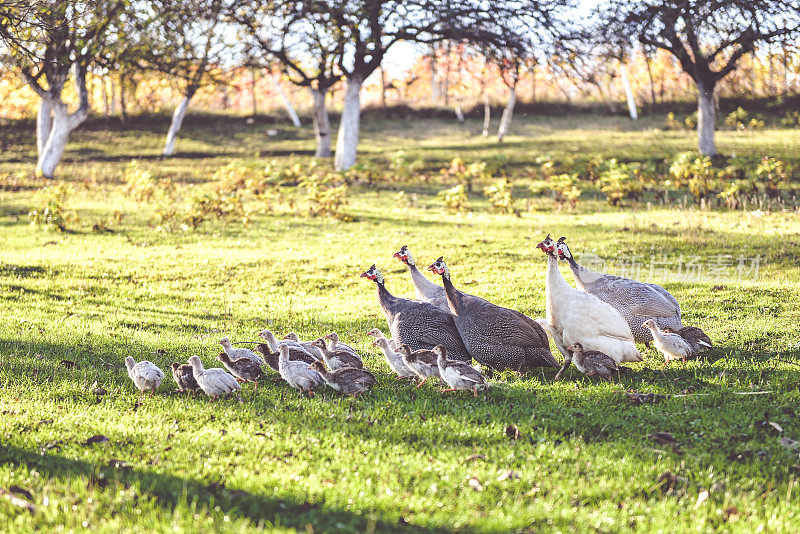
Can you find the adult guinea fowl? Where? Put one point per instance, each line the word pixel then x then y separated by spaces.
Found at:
pixel 146 375
pixel 495 336
pixel 637 302
pixel 588 362
pixel 697 339
pixel 574 316
pixel 347 381
pixel 417 324
pixel 426 290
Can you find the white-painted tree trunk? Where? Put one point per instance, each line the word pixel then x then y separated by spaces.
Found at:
pixel 505 121
pixel 347 141
pixel 322 125
pixel 286 103
pixel 175 126
pixel 706 115
pixel 487 114
pixel 53 149
pixel 44 122
pixel 626 83
pixel 459 114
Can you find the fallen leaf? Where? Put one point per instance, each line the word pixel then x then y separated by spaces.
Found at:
pixel 532 492
pixel 473 457
pixel 507 475
pixel 731 513
pixel 668 481
pixel 637 399
pixel 18 501
pixel 21 491
pixel 512 432
pixel 701 497
pixel 475 484
pixel 776 426
pixel 97 438
pixel 789 443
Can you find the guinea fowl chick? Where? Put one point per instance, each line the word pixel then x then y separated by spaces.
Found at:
pixel 184 377
pixel 672 346
pixel 347 381
pixel 697 339
pixel 588 362
pixel 338 345
pixel 243 369
pixel 145 374
pixel 458 375
pixel 297 374
pixel 422 362
pixel 291 340
pixel 214 382
pixel 334 358
pixel 394 359
pixel 271 356
pixel 236 352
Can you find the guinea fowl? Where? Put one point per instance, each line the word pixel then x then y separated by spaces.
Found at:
pixel 394 359
pixel 336 344
pixel 244 369
pixel 236 352
pixel 422 362
pixel 574 316
pixel 672 346
pixel 146 375
pixel 296 348
pixel 214 382
pixel 495 336
pixel 588 362
pixel 697 339
pixel 458 375
pixel 418 324
pixel 635 301
pixel 333 357
pixel 376 334
pixel 426 290
pixel 184 377
pixel 297 374
pixel 347 381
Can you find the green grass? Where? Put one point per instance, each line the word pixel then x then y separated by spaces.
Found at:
pixel 399 458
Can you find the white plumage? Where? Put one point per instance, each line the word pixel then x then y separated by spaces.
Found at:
pixel 574 316
pixel 672 346
pixel 459 375
pixel 297 374
pixel 236 352
pixel 145 374
pixel 394 358
pixel 291 340
pixel 214 382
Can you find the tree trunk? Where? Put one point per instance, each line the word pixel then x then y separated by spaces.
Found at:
pixel 44 122
pixel 286 103
pixel 175 125
pixel 487 114
pixel 650 78
pixel 434 78
pixel 505 121
pixel 123 104
pixel 112 89
pixel 322 126
pixel 104 90
pixel 706 114
pixel 347 141
pixel 626 83
pixel 533 84
pixel 459 114
pixel 253 81
pixel 383 88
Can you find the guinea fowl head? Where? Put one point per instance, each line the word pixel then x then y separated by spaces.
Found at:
pixel 225 342
pixel 333 336
pixel 441 353
pixel 129 362
pixel 547 245
pixel 577 348
pixel 376 333
pixel 562 250
pixel 373 274
pixel 404 350
pixel 195 362
pixel 668 330
pixel 404 255
pixel 283 351
pixel 651 324
pixel 440 267
pixel 291 336
pixel 381 342
pixel 175 366
pixel 269 337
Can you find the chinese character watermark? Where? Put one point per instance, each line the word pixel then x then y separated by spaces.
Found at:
pixel 684 268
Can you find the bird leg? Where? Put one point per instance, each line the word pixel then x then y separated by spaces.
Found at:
pixel 423 381
pixel 449 390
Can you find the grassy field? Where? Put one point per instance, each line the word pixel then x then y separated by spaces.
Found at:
pixel 582 457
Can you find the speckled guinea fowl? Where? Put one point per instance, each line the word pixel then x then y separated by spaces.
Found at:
pixel 426 290
pixel 636 301
pixel 333 357
pixel 458 375
pixel 588 362
pixel 495 336
pixel 239 352
pixel 422 362
pixel 697 339
pixel 418 324
pixel 338 345
pixel 242 368
pixel 183 374
pixel 347 381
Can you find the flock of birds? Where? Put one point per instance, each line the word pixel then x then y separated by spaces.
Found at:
pixel 595 327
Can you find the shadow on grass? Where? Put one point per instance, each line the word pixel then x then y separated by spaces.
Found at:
pixel 171 491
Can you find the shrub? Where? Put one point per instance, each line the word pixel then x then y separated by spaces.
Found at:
pixel 565 189
pixel 691 121
pixel 235 177
pixel 501 197
pixel 673 123
pixel 695 171
pixel 326 196
pixel 466 175
pixel 142 186
pixel 622 180
pixel 52 213
pixel 403 166
pixel 737 119
pixel 455 199
pixel 791 119
pixel 770 174
pixel 733 192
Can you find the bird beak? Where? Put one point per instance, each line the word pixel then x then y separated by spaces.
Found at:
pixel 397 255
pixel 365 274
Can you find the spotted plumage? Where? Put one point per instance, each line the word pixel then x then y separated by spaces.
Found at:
pixel 418 324
pixel 242 368
pixel 422 362
pixel 635 301
pixel 495 336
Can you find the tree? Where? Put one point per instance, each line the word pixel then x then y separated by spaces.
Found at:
pixel 45 41
pixel 707 37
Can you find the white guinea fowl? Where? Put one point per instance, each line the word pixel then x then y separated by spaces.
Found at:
pixel 377 333
pixel 337 345
pixel 296 373
pixel 574 316
pixel 394 359
pixel 215 382
pixel 145 374
pixel 237 352
pixel 672 346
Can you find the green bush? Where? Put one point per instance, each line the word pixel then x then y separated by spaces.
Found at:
pixel 690 122
pixel 455 199
pixel 737 119
pixel 621 181
pixel 501 197
pixel 403 166
pixel 770 174
pixel 52 213
pixel 696 172
pixel 326 196
pixel 565 188
pixel 467 175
